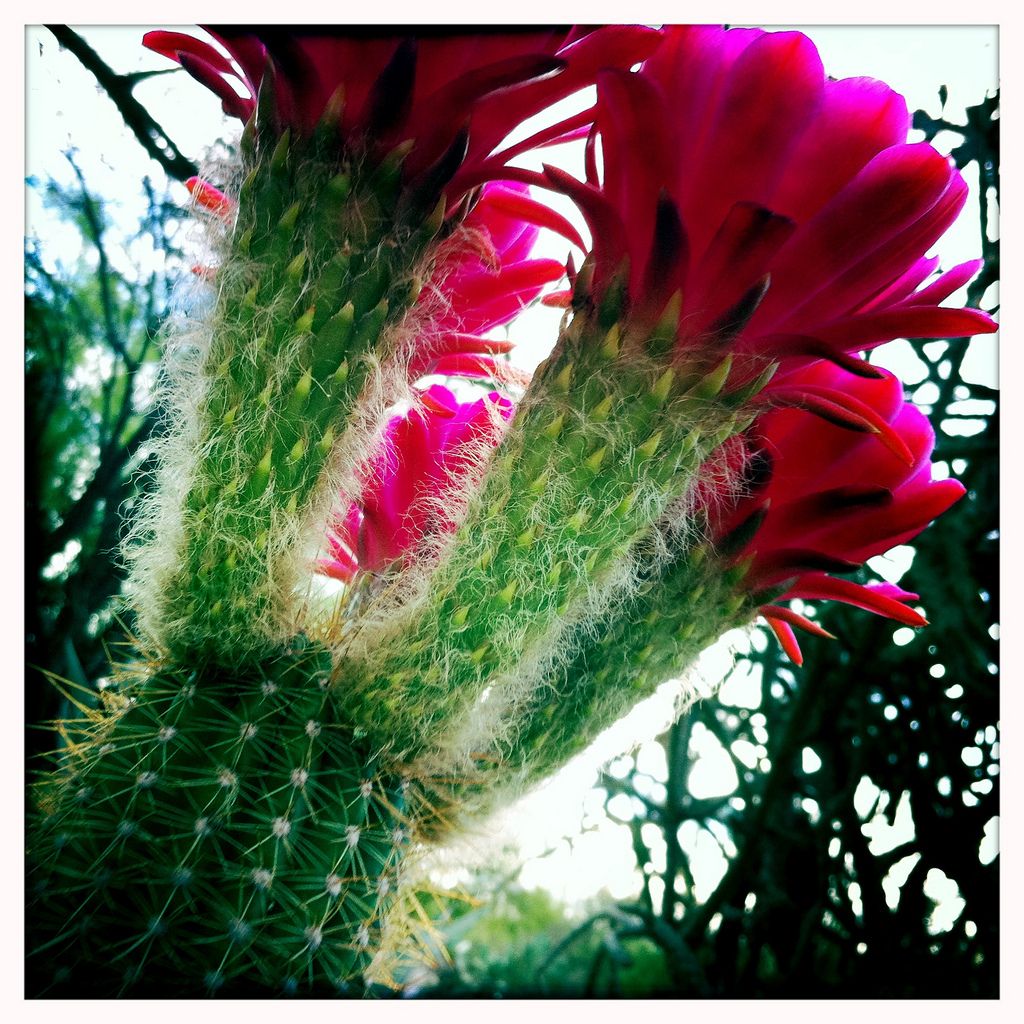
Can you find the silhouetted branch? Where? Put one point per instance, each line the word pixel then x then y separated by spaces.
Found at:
pixel 119 88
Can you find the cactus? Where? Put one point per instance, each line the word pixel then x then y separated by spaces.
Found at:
pixel 211 826
pixel 607 436
pixel 241 813
pixel 220 824
pixel 318 273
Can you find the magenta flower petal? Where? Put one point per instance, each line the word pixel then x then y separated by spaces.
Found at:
pixel 902 286
pixel 481 279
pixel 823 498
pixel 917 321
pixel 896 189
pixel 787 638
pixel 856 119
pixel 734 169
pixel 173 44
pixel 947 283
pixel 427 453
pixel 754 129
pixel 826 588
pixel 427 86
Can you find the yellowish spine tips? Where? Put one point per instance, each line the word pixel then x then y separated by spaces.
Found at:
pixel 326 443
pixel 602 410
pixel 339 187
pixel 295 269
pixel 554 428
pixel 663 385
pixel 625 506
pixel 594 460
pixel 562 381
pixel 297 451
pixel 305 322
pixel 248 184
pixel 538 483
pixel 290 217
pixel 436 219
pixel 612 342
pixel 335 107
pixel 527 537
pixel 711 385
pixel 507 594
pixel 244 242
pixel 460 615
pixel 668 322
pixel 279 158
pixel 577 520
pixel 650 446
pixel 301 391
pixel 261 474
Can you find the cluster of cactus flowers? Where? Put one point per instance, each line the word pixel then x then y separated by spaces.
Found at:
pixel 705 443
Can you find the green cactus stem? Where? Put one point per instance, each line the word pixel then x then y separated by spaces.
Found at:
pixel 679 608
pixel 675 615
pixel 319 268
pixel 608 435
pixel 211 832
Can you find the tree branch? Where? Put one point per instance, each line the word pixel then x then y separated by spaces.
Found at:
pixel 136 117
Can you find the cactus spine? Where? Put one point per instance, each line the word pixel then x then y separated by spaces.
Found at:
pixel 236 817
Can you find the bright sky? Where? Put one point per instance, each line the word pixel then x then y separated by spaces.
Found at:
pixel 65 109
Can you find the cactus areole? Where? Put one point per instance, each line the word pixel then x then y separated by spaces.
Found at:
pixel 244 814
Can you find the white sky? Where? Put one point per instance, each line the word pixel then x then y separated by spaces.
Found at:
pixel 66 109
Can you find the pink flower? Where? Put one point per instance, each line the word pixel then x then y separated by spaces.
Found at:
pixel 824 499
pixel 458 94
pixel 787 211
pixel 428 453
pixel 482 278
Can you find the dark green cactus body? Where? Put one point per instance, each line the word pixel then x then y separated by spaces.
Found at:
pixel 214 832
pixel 320 265
pixel 607 436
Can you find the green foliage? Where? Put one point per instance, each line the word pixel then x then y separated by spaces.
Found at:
pixel 90 359
pixel 522 944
